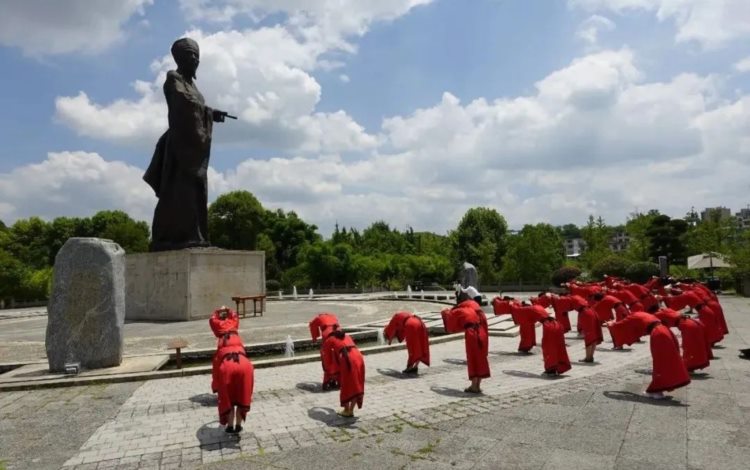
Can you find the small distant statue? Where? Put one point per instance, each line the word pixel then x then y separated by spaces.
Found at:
pixel 178 168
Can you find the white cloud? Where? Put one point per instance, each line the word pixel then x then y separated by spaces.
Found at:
pixel 712 23
pixel 589 30
pixel 743 65
pixel 344 78
pixel 260 75
pixel 328 22
pixel 75 184
pixel 594 137
pixel 42 27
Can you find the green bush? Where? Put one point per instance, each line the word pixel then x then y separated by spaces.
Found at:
pixel 612 265
pixel 641 271
pixel 272 285
pixel 565 274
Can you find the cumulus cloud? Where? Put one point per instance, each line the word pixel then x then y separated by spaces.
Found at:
pixel 327 22
pixel 261 75
pixel 74 184
pixel 595 137
pixel 711 23
pixel 743 65
pixel 41 27
pixel 589 30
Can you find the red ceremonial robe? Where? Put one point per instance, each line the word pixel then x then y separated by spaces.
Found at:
pixel 695 351
pixel 409 327
pixel 627 297
pixel 236 378
pixel 668 369
pixel 351 365
pixel 588 321
pixel 320 327
pixel 713 301
pixel 527 325
pixel 464 317
pixel 603 308
pixel 553 338
pixel 542 300
pixel 562 305
pixel 705 313
pixel 220 328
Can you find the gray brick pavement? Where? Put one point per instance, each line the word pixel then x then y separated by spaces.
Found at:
pixel 289 412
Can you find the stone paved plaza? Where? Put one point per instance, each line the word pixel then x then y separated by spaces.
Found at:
pixel 593 417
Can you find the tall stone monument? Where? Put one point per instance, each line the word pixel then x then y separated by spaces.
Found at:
pixel 86 312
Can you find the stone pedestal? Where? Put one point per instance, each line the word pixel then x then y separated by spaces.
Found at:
pixel 189 284
pixel 86 311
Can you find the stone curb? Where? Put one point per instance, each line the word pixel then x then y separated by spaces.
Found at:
pixel 165 374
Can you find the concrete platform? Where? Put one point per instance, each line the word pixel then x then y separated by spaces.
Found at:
pixel 40 371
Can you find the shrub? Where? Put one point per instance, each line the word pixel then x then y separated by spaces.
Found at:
pixel 641 271
pixel 612 265
pixel 565 274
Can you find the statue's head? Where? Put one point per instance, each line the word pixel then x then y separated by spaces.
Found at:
pixel 187 55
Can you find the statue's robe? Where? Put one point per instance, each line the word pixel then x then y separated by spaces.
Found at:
pixel 178 168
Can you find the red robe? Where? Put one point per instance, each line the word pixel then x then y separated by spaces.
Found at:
pixel 588 321
pixel 705 313
pixel 320 327
pixel 584 291
pixel 562 305
pixel 503 307
pixel 236 378
pixel 553 337
pixel 220 328
pixel 695 350
pixel 464 317
pixel 527 325
pixel 351 366
pixel 409 327
pixel 668 369
pixel 603 308
pixel 543 300
pixel 629 299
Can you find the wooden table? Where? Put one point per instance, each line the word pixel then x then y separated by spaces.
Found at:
pixel 241 299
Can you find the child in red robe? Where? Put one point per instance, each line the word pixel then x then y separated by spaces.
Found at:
pixel 236 379
pixel 590 325
pixel 555 354
pixel 562 304
pixel 409 327
pixel 223 322
pixel 321 327
pixel 695 351
pixel 351 366
pixel 468 317
pixel 668 369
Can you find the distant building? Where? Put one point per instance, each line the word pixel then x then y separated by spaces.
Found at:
pixel 619 241
pixel 743 219
pixel 715 213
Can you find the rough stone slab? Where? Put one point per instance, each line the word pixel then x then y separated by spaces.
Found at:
pixel 86 312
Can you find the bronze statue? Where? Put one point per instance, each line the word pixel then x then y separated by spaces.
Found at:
pixel 177 172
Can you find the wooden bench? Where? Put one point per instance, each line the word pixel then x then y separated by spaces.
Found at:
pixel 241 299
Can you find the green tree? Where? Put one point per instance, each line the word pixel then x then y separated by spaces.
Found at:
pixel 596 235
pixel 636 227
pixel 534 254
pixel 666 238
pixel 380 238
pixel 12 273
pixel 569 231
pixel 716 234
pixel 480 239
pixel 288 234
pixel 119 227
pixel 62 228
pixel 235 220
pixel 27 242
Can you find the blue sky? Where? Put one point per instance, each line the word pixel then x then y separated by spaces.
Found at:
pixel 411 111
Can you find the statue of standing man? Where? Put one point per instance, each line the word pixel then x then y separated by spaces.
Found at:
pixel 178 168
